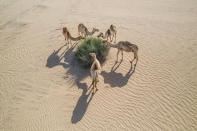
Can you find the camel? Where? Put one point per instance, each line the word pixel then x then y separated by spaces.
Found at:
pixel 127 47
pixel 110 33
pixel 107 35
pixel 113 31
pixel 68 36
pixel 95 70
pixel 83 30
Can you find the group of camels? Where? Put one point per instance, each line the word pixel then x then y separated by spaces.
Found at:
pixel 109 34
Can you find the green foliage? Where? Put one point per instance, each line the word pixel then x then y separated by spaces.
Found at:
pixel 90 45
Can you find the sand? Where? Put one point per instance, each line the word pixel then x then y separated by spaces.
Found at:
pixel 42 87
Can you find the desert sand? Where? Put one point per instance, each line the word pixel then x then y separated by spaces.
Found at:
pixel 42 88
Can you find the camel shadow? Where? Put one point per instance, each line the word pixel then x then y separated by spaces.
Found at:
pixel 54 59
pixel 82 104
pixel 68 61
pixel 78 73
pixel 115 79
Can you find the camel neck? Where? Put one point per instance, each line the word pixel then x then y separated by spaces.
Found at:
pixel 94 58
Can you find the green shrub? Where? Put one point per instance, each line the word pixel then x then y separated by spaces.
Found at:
pixel 90 45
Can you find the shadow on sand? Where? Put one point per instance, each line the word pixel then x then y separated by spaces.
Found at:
pixel 67 61
pixel 117 79
pixel 55 60
pixel 82 104
pixel 74 69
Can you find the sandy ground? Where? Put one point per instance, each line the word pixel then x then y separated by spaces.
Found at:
pixel 43 89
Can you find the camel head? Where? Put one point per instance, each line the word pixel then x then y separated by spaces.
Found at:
pixel 65 29
pixel 93 55
pixel 95 30
pixel 112 26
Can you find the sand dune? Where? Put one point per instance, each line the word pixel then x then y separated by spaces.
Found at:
pixel 43 88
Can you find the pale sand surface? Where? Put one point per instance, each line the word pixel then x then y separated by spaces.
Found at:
pixel 40 93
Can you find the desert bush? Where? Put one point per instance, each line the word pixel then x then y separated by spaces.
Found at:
pixel 90 45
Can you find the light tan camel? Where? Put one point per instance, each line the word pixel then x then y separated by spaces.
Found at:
pixel 127 47
pixel 95 70
pixel 68 36
pixel 83 30
pixel 113 31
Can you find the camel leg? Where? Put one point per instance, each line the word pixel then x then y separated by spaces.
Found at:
pixel 122 54
pixel 92 82
pixel 115 37
pixel 133 58
pixel 117 55
pixel 65 42
pixel 110 38
pixel 136 56
pixel 68 42
pixel 96 85
pixel 85 35
pixel 93 86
